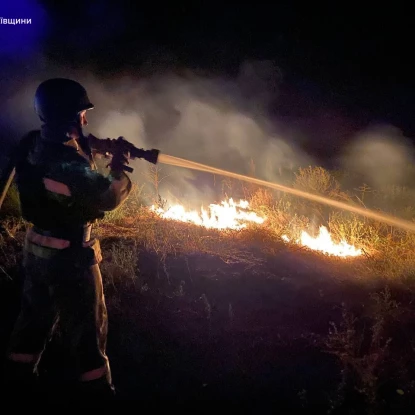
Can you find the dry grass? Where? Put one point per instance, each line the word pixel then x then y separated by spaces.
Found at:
pixel 361 345
pixel 318 180
pixel 128 209
pixel 11 204
pixel 11 243
pixel 389 252
pixel 119 269
pixel 172 238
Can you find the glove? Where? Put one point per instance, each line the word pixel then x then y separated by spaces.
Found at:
pixel 119 161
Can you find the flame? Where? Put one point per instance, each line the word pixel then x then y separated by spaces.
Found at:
pixel 325 244
pixel 226 215
pixel 232 215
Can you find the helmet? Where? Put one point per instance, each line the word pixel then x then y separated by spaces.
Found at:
pixel 60 100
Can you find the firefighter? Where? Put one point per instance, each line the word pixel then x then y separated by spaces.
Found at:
pixel 62 194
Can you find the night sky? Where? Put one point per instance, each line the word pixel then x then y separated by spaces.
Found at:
pixel 355 64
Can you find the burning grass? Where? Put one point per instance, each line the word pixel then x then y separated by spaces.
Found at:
pixel 173 238
pixel 266 220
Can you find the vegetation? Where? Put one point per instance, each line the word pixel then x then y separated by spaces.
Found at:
pixel 214 294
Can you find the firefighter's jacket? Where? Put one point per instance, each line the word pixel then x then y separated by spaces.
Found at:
pixel 61 190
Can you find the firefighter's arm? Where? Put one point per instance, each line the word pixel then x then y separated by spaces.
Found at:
pixel 120 186
pixel 93 190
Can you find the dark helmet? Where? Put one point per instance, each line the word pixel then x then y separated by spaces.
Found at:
pixel 60 100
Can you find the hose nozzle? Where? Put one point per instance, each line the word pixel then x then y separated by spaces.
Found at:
pixel 149 155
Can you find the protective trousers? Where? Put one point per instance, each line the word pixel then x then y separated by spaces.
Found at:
pixel 65 286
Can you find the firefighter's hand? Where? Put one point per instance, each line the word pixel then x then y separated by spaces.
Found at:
pixel 119 161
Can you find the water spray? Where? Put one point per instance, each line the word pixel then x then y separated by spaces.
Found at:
pixel 153 156
pixel 381 217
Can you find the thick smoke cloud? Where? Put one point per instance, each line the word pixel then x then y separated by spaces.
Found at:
pixel 381 156
pixel 216 121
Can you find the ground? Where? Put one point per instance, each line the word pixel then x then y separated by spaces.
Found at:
pixel 241 315
pixel 200 326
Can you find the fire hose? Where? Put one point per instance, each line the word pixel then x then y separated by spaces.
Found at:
pixel 106 147
pixel 112 146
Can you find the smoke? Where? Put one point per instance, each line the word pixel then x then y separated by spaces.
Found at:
pixel 222 122
pixel 380 156
pixel 215 121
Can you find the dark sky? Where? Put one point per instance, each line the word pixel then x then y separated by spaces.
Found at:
pixel 338 58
